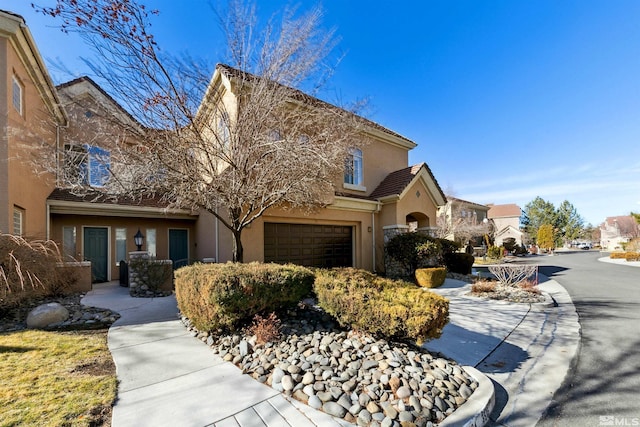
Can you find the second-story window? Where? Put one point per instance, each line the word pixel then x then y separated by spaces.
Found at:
pixel 87 164
pixel 16 95
pixel 223 130
pixel 353 168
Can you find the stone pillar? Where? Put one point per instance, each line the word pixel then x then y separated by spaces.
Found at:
pixel 133 275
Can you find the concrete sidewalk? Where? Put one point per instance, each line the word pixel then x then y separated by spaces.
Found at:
pixel 526 349
pixel 167 377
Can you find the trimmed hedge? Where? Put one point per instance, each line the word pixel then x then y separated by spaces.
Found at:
pixel 225 296
pixel 459 263
pixel 632 256
pixel 389 308
pixel 431 277
pixel 618 255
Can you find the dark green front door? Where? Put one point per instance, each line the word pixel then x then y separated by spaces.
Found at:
pixel 96 247
pixel 179 247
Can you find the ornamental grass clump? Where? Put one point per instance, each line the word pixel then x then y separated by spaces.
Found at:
pixel 391 309
pixel 28 268
pixel 224 297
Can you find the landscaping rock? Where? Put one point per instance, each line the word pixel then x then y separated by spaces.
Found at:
pixel 47 314
pixel 353 376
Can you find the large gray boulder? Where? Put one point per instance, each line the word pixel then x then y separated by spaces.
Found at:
pixel 47 314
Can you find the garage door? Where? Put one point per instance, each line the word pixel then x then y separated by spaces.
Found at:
pixel 312 245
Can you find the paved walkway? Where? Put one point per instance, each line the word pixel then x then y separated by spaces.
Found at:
pixel 169 378
pixel 525 349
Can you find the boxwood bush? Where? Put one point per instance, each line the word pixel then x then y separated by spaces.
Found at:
pixel 226 296
pixel 389 308
pixel 431 277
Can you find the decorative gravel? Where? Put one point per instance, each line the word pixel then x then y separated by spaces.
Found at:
pixel 354 376
pixel 510 294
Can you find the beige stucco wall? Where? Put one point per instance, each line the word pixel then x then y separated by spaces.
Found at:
pixel 379 159
pixel 24 132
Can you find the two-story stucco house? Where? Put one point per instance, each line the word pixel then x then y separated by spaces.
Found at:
pixel 379 195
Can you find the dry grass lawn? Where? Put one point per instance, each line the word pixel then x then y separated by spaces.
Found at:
pixel 56 379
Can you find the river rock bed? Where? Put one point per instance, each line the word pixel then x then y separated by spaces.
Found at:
pixel 353 376
pixel 516 294
pixel 80 316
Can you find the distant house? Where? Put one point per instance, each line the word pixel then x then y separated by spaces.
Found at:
pixel 379 196
pixel 616 230
pixel 462 220
pixel 506 223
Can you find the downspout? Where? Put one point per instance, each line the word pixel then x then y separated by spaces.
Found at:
pixel 373 237
pixel 217 240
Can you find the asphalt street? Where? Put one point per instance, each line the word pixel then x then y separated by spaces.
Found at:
pixel 603 386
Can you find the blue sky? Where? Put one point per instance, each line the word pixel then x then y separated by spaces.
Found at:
pixel 507 100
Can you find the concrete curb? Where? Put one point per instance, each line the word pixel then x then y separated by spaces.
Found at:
pixel 548 302
pixel 620 262
pixel 476 410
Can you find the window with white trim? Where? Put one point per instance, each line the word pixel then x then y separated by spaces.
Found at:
pixel 224 134
pixel 353 173
pixel 69 242
pixel 18 221
pixel 151 242
pixel 121 245
pixel 87 164
pixel 16 94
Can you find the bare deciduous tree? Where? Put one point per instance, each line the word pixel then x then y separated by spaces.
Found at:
pixel 233 145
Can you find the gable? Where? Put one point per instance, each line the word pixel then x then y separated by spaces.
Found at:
pixel 398 183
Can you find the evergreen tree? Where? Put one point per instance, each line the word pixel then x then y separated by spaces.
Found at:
pixel 537 213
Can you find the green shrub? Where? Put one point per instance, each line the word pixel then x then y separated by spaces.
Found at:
pixel 404 249
pixel 389 308
pixel 224 296
pixel 431 277
pixel 459 263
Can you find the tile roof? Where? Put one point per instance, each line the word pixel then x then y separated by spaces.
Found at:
pixel 396 182
pixel 504 211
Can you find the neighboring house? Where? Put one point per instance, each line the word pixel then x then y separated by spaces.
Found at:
pixel 30 114
pixel 616 230
pixel 505 220
pixel 101 229
pixel 379 195
pixel 461 220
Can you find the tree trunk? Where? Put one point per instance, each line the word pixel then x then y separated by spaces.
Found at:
pixel 238 251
